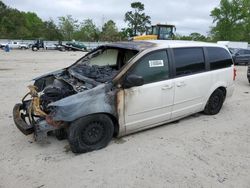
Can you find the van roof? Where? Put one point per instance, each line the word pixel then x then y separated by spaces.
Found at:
pixel 146 44
pixel 183 43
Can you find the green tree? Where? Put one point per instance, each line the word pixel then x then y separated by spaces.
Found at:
pixel 67 25
pixel 246 13
pixel 13 25
pixel 34 25
pixel 87 31
pixel 182 37
pixel 3 8
pixel 137 20
pixel 110 32
pixel 197 37
pixel 51 31
pixel 193 36
pixel 125 33
pixel 232 20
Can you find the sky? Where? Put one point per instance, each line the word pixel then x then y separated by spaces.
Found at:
pixel 187 15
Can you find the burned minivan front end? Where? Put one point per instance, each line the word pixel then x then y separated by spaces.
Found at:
pixel 59 99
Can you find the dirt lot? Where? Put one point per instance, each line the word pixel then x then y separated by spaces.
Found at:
pixel 198 151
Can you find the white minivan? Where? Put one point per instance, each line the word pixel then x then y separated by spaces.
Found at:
pixel 124 87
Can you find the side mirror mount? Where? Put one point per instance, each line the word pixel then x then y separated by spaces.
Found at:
pixel 133 80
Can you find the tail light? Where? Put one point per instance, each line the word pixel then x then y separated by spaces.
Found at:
pixel 234 76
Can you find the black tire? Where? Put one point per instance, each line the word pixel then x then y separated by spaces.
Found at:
pixel 61 134
pixel 34 48
pixel 214 103
pixel 90 133
pixel 63 49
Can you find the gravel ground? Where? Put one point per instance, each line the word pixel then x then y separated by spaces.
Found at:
pixel 198 151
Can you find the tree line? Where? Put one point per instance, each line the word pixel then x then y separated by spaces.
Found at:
pixel 231 21
pixel 15 24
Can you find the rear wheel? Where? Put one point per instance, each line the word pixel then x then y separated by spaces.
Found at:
pixel 34 48
pixel 90 133
pixel 214 103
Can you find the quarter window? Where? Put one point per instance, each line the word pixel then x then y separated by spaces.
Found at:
pixel 152 67
pixel 218 58
pixel 189 61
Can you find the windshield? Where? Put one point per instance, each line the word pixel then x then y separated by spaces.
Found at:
pixel 103 64
pixel 155 30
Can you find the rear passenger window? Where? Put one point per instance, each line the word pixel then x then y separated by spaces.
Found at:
pixel 218 58
pixel 152 67
pixel 189 61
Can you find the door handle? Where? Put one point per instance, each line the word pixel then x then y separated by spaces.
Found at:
pixel 180 84
pixel 167 87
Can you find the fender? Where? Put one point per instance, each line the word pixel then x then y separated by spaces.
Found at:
pixel 215 86
pixel 100 99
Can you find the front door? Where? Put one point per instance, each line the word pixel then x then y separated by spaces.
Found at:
pixel 151 103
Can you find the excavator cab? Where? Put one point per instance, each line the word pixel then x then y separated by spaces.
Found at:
pixel 158 32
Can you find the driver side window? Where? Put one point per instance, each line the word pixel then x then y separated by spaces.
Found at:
pixel 153 67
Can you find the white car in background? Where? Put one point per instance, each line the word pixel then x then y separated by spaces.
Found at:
pixel 15 45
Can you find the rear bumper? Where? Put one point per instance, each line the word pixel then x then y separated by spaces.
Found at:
pixel 19 120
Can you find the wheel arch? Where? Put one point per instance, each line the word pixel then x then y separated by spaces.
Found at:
pixel 111 116
pixel 224 90
pixel 222 86
pixel 115 122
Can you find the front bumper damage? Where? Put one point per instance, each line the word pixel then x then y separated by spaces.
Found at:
pixel 29 118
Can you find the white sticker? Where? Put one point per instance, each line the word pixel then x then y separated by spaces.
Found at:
pixel 156 63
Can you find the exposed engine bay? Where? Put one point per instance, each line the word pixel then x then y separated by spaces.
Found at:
pixel 65 84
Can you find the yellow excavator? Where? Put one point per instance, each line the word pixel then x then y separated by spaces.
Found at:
pixel 158 32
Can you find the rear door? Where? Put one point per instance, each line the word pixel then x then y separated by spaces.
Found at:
pixel 151 103
pixel 192 82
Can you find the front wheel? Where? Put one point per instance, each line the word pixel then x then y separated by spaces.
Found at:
pixel 214 103
pixel 90 133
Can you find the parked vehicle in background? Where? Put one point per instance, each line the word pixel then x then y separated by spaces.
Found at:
pixel 15 45
pixel 240 56
pixel 51 46
pixel 248 72
pixel 233 44
pixel 38 45
pixel 121 88
pixel 158 32
pixel 76 45
pixel 233 50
